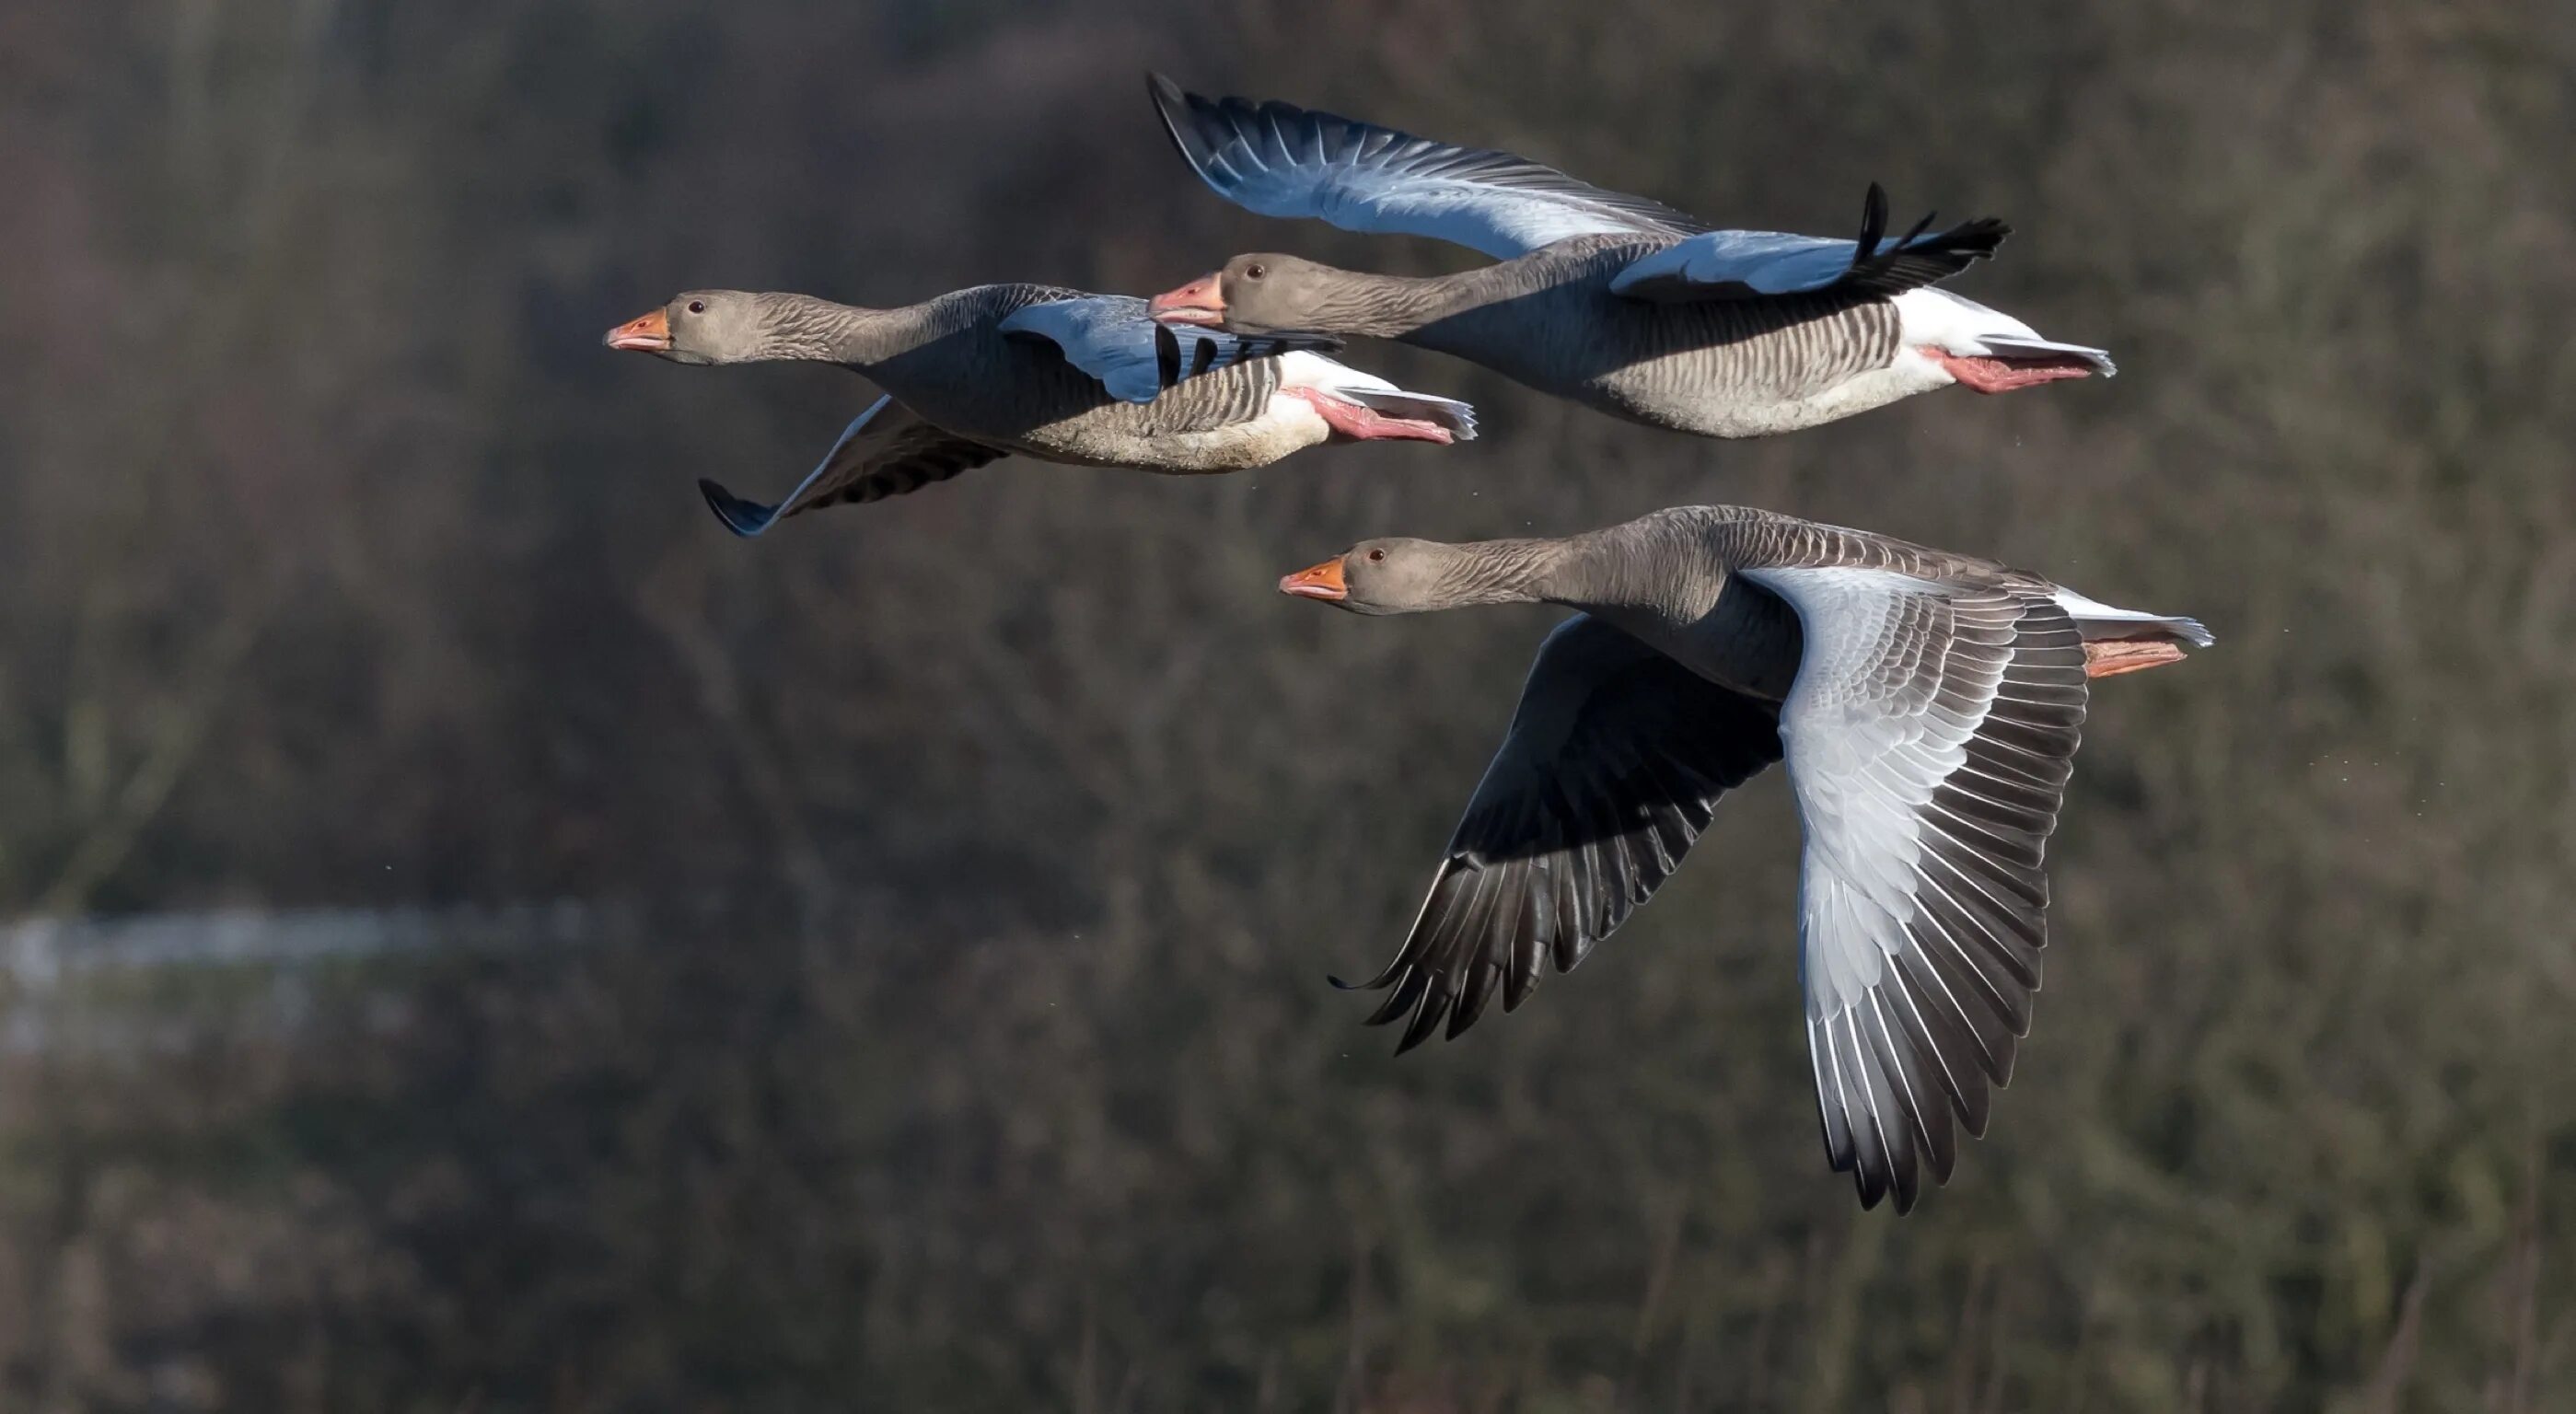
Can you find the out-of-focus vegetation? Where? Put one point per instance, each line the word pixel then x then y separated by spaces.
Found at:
pixel 994 842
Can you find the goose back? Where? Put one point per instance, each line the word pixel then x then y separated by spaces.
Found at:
pixel 1677 580
pixel 1717 368
pixel 961 372
pixel 1668 579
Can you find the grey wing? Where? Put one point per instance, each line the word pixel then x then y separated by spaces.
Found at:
pixel 1615 761
pixel 885 451
pixel 1930 734
pixel 1281 160
pixel 1752 264
pixel 1111 338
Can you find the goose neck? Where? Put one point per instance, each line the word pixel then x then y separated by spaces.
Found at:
pixel 802 327
pixel 1396 306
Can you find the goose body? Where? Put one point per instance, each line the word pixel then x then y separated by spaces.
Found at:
pixel 1928 706
pixel 1611 300
pixel 1039 371
pixel 1718 368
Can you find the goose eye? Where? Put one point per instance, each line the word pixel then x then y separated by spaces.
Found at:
pixel 1255 270
pixel 1375 555
pixel 697 306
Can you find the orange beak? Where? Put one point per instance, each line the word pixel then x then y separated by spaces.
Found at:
pixel 648 333
pixel 1198 302
pixel 1322 581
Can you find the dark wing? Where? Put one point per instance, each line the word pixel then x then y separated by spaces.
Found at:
pixel 1930 732
pixel 885 451
pixel 1281 160
pixel 1752 264
pixel 1112 338
pixel 1614 763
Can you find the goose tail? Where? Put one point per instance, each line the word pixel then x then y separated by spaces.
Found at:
pixel 1303 369
pixel 1963 328
pixel 2126 640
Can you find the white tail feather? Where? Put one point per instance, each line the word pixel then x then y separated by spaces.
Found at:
pixel 1967 328
pixel 2042 348
pixel 2095 619
pixel 1302 369
pixel 1457 417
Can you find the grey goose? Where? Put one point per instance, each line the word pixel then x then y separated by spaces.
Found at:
pixel 1928 706
pixel 1049 373
pixel 1614 301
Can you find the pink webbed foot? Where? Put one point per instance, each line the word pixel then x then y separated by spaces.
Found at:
pixel 2108 658
pixel 1361 424
pixel 2004 375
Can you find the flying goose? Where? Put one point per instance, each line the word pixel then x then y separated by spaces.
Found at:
pixel 1927 704
pixel 1617 302
pixel 1049 373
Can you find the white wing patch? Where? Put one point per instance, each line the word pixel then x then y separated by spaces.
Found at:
pixel 1929 734
pixel 1280 160
pixel 1760 262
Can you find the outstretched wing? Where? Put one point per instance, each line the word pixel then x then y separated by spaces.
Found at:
pixel 885 451
pixel 1111 338
pixel 1614 763
pixel 1281 160
pixel 1930 733
pixel 1751 264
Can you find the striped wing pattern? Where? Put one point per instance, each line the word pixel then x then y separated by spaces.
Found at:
pixel 1930 735
pixel 885 451
pixel 1280 160
pixel 1615 761
pixel 1754 264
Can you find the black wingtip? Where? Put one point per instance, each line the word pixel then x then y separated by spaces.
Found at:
pixel 1982 236
pixel 1873 226
pixel 1919 228
pixel 1920 257
pixel 1398 1005
pixel 1435 1008
pixel 1172 104
pixel 1381 981
pixel 743 518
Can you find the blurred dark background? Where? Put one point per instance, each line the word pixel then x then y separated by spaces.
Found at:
pixel 496 941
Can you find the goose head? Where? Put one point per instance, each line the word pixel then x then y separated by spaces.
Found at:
pixel 700 327
pixel 1254 294
pixel 1397 576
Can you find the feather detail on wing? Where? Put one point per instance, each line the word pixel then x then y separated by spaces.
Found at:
pixel 1616 758
pixel 1111 338
pixel 1930 734
pixel 1755 264
pixel 885 451
pixel 1281 160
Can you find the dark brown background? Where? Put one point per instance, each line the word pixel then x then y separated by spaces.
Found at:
pixel 959 1037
